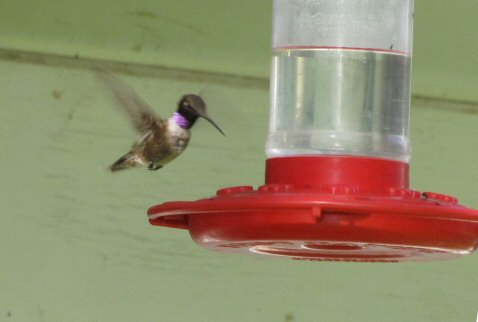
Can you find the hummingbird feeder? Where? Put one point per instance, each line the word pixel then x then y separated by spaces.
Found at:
pixel 337 174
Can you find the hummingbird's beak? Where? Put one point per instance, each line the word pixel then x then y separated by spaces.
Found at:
pixel 204 116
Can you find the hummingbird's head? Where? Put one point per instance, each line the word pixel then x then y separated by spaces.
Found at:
pixel 191 107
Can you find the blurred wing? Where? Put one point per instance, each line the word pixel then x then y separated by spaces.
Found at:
pixel 140 113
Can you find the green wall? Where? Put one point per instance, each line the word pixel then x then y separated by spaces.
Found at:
pixel 75 244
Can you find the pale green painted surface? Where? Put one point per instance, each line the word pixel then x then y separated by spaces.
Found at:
pixel 226 36
pixel 222 36
pixel 75 244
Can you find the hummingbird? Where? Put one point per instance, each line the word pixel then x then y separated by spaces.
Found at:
pixel 162 140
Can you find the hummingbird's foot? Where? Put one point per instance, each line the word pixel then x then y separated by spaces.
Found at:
pixel 153 167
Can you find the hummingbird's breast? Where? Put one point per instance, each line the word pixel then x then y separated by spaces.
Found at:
pixel 177 137
pixel 163 143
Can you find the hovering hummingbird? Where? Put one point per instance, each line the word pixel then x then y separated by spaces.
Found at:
pixel 161 140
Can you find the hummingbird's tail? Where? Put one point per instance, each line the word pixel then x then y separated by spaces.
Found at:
pixel 126 161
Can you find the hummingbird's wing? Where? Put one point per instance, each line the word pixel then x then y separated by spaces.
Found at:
pixel 140 113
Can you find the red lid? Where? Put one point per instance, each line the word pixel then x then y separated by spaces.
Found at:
pixel 328 209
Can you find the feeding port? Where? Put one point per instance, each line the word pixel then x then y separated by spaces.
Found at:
pixel 337 174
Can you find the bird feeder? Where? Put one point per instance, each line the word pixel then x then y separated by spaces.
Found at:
pixel 337 173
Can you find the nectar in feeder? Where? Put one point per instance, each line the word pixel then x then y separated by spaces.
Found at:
pixel 337 174
pixel 340 81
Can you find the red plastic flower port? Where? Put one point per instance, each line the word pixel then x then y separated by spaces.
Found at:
pixel 328 208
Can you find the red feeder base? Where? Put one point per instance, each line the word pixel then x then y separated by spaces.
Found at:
pixel 328 209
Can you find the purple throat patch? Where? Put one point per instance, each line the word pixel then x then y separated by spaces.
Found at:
pixel 181 121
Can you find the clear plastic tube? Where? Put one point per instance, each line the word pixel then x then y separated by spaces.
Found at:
pixel 340 80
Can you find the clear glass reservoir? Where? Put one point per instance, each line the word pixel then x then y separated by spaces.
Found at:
pixel 340 79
